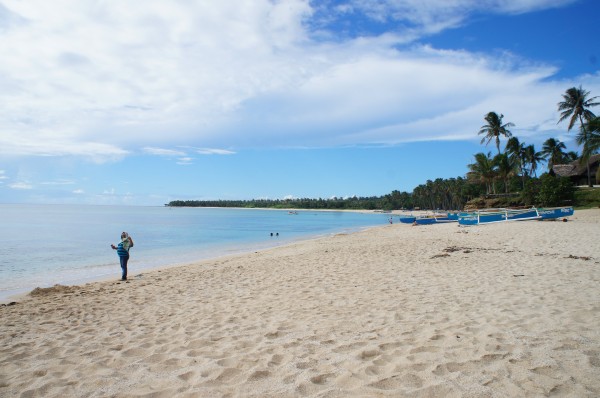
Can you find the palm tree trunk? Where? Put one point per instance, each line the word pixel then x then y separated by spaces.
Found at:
pixel 589 176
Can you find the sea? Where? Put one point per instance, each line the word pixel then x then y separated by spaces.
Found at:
pixel 46 245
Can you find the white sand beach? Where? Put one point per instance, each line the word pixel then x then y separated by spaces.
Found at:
pixel 398 311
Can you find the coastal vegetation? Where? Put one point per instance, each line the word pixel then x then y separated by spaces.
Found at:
pixel 508 178
pixel 575 106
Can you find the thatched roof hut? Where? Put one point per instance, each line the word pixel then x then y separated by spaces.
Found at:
pixel 577 171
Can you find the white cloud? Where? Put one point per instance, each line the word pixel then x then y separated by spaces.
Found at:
pixel 213 151
pixel 185 161
pixel 21 185
pixel 163 152
pixel 78 191
pixel 102 79
pixel 44 143
pixel 59 182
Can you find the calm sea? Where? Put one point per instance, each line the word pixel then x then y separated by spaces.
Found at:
pixel 44 245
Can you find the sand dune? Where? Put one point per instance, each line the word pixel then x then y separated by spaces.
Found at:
pixel 499 310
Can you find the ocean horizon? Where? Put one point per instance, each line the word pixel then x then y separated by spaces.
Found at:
pixel 45 245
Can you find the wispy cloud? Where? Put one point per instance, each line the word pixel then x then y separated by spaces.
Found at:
pixel 442 13
pixel 213 151
pixel 21 185
pixel 58 182
pixel 185 161
pixel 163 152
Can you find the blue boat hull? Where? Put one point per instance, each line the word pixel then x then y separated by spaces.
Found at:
pixel 433 220
pixel 453 216
pixel 556 212
pixel 407 220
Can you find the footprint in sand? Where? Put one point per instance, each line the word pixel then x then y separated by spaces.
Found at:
pixel 593 358
pixel 306 365
pixel 226 362
pixel 348 347
pixel 320 379
pixel 259 374
pixel 374 370
pixel 187 376
pixel 389 346
pixel 276 360
pixel 228 375
pixel 396 382
pixel 450 367
pixel 369 354
pixel 135 352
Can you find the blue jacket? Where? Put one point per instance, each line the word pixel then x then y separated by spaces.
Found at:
pixel 122 251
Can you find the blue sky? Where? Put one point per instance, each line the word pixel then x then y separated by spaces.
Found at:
pixel 115 103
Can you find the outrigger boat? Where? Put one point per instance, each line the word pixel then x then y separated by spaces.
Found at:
pixel 490 216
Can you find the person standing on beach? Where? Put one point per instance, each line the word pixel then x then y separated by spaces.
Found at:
pixel 123 252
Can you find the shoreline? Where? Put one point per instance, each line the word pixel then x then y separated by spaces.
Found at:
pixel 245 250
pixel 497 310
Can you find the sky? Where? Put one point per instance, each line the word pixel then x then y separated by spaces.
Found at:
pixel 113 102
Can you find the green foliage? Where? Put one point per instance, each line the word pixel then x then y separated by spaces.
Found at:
pixel 447 194
pixel 484 170
pixel 555 191
pixel 515 184
pixel 530 192
pixel 587 197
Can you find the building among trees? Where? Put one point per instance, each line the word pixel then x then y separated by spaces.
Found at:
pixel 577 171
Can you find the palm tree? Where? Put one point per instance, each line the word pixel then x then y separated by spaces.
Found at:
pixel 593 127
pixel 484 169
pixel 591 141
pixel 589 138
pixel 575 106
pixel 553 151
pixel 571 156
pixel 533 159
pixel 494 129
pixel 516 152
pixel 505 166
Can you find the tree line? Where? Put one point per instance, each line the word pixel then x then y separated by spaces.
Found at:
pixel 510 174
pixel 354 203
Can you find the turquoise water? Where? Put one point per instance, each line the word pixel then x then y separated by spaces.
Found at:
pixel 44 245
